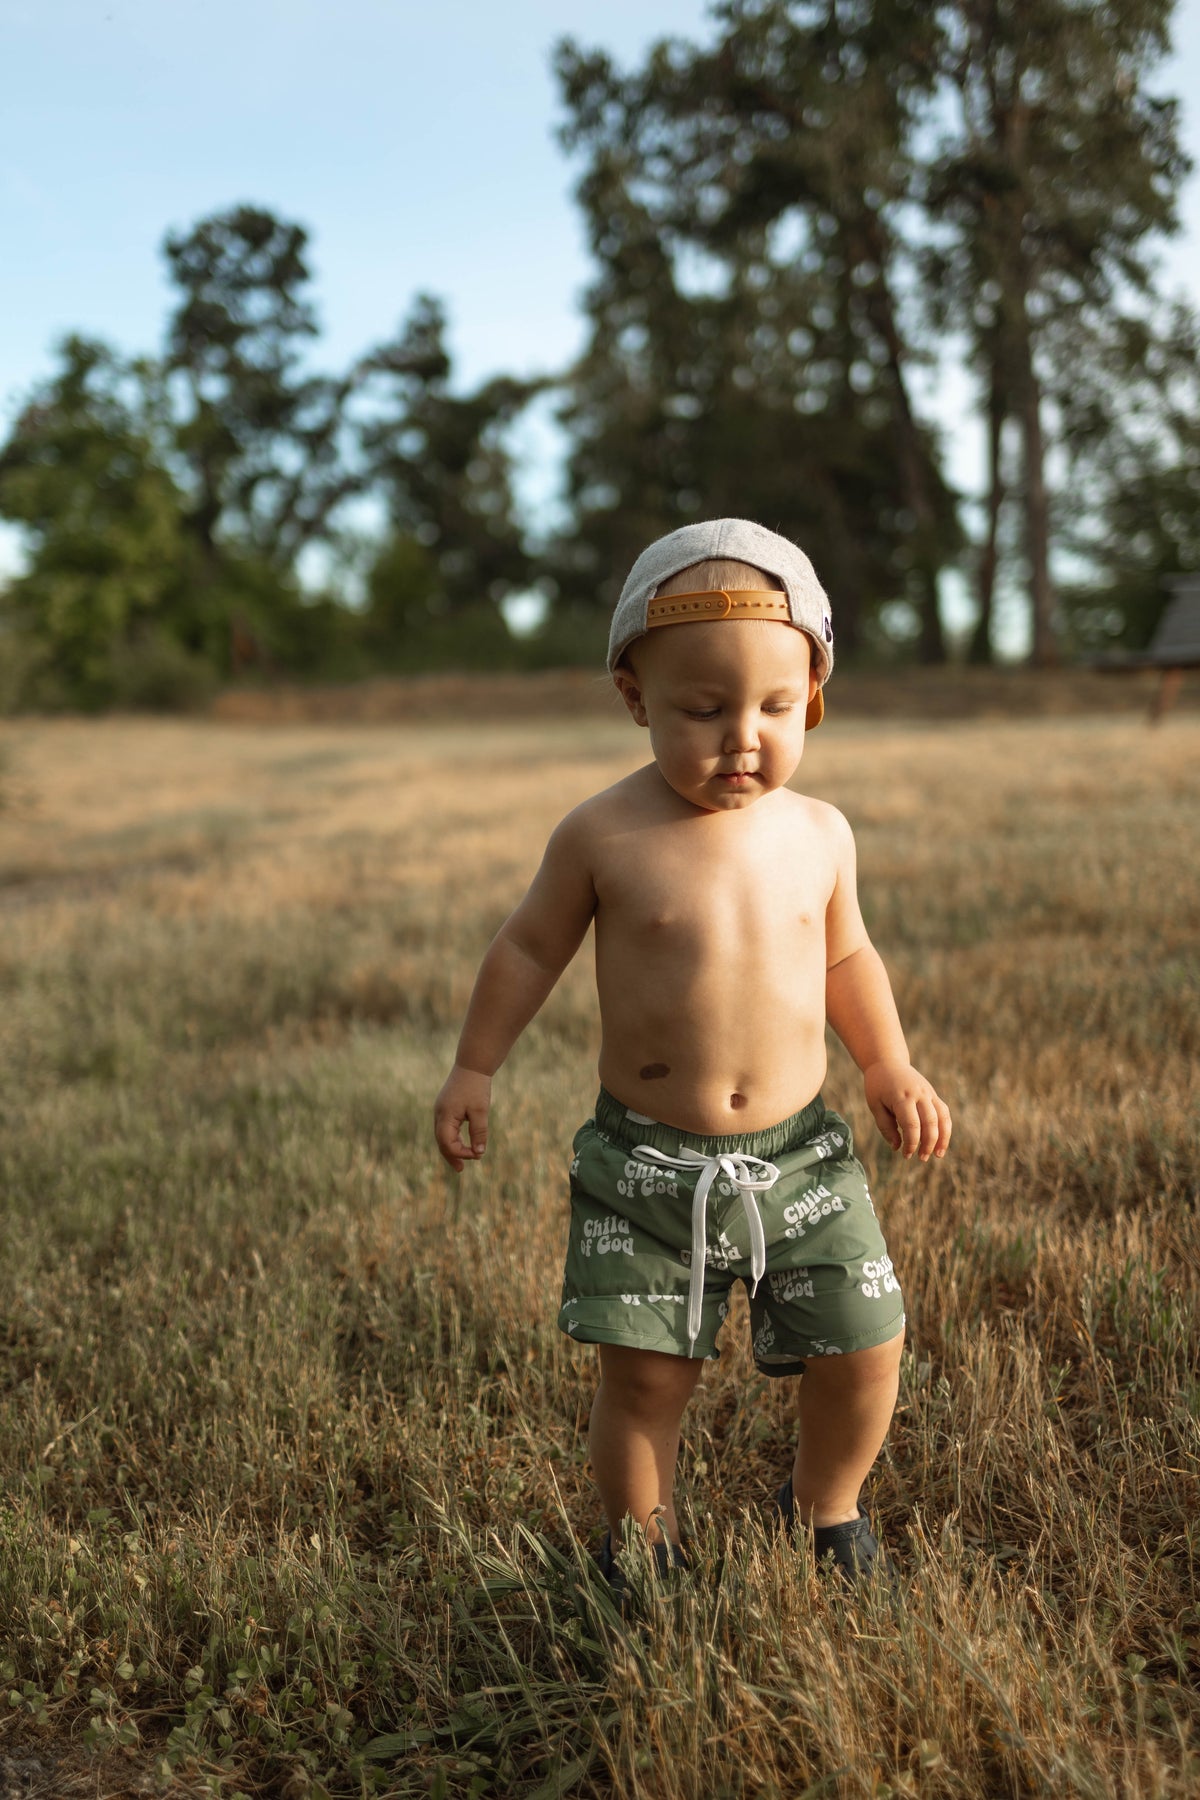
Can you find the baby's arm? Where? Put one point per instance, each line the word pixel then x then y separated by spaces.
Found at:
pixel 526 958
pixel 860 1007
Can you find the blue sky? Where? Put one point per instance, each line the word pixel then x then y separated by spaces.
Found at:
pixel 414 140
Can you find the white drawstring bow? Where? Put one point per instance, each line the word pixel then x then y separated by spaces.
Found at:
pixel 736 1168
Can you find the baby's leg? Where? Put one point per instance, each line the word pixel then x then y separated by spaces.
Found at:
pixel 633 1436
pixel 846 1406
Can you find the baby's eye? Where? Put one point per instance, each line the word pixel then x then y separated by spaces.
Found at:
pixel 778 709
pixel 692 713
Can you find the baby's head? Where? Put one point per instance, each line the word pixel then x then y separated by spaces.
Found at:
pixel 728 570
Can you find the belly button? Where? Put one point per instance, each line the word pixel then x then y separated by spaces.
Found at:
pixel 736 1100
pixel 654 1071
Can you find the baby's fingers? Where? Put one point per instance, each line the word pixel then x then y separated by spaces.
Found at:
pixel 933 1135
pixel 449 1141
pixel 911 1122
pixel 477 1130
pixel 448 1130
pixel 460 1117
pixel 911 1116
pixel 931 1125
pixel 910 1125
pixel 886 1121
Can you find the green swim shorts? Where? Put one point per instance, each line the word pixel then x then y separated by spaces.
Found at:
pixel 664 1222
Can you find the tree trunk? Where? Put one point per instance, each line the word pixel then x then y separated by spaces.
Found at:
pixel 844 578
pixel 931 645
pixel 982 648
pixel 1037 510
pixel 871 247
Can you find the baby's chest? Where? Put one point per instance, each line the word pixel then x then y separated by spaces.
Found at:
pixel 687 896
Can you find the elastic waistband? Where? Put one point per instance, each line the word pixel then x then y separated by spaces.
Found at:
pixel 631 1129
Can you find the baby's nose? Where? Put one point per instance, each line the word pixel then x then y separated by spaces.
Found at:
pixel 742 732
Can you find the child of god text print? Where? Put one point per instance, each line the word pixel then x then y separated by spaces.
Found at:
pixel 607 1237
pixel 647 1180
pixel 816 1204
pixel 878 1279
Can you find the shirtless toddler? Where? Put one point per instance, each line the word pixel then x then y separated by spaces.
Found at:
pixel 727 931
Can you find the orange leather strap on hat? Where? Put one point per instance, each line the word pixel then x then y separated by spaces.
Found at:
pixel 718 603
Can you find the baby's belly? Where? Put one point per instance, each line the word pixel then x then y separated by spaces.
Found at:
pixel 734 1047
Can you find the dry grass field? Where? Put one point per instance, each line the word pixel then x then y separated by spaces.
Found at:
pixel 295 1498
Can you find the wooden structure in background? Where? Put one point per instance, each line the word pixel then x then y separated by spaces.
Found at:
pixel 1174 648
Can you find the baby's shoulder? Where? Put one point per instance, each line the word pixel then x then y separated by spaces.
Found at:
pixel 602 815
pixel 635 799
pixel 818 818
pixel 816 834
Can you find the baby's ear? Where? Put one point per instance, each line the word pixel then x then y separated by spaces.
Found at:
pixel 630 690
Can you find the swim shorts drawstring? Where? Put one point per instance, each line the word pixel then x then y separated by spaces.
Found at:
pixel 737 1169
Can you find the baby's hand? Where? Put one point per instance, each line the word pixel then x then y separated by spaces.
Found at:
pixel 465 1099
pixel 911 1116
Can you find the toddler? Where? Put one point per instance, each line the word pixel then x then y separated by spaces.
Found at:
pixel 727 931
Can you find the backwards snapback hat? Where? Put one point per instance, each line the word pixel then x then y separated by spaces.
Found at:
pixel 803 602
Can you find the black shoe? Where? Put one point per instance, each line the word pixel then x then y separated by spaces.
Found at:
pixel 851 1547
pixel 667 1556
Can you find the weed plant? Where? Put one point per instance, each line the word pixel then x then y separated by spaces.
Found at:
pixel 295 1492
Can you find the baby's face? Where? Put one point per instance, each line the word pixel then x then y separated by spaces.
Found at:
pixel 724 704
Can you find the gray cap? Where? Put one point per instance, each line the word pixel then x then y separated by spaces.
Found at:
pixel 733 540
